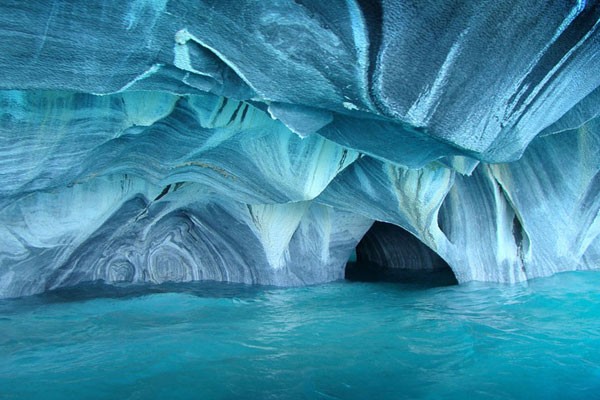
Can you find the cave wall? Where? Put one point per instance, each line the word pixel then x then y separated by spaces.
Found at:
pixel 256 142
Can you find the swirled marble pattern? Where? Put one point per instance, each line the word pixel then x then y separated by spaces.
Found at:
pixel 256 142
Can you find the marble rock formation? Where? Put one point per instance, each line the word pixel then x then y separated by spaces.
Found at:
pixel 257 141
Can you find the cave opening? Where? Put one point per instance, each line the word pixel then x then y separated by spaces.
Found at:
pixel 388 253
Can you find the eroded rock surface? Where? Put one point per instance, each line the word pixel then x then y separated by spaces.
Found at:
pixel 257 141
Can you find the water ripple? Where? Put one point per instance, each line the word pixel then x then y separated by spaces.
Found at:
pixel 336 341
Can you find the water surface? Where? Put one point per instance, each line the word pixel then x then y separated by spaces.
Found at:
pixel 336 341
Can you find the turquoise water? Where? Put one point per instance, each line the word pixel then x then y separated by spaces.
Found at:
pixel 336 341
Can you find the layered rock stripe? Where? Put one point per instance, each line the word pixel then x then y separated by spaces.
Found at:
pixel 257 141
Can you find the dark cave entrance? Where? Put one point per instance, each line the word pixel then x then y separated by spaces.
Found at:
pixel 388 253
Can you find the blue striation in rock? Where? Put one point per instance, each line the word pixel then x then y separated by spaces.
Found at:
pixel 257 141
